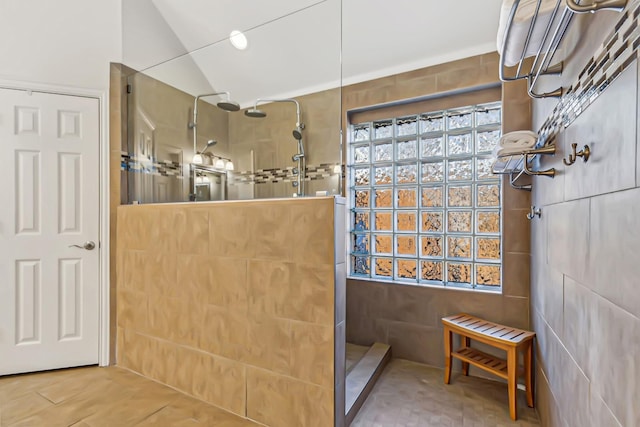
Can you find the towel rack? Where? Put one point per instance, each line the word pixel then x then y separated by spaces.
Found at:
pixel 559 22
pixel 520 164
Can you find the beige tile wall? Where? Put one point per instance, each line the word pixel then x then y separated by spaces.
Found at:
pixel 272 143
pixel 233 303
pixel 408 317
pixel 117 188
pixel 168 112
pixel 585 303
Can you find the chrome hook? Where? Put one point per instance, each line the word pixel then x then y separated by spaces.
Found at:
pixel 584 153
pixel 534 212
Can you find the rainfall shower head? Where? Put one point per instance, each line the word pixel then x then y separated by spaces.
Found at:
pixel 228 105
pixel 224 104
pixel 255 113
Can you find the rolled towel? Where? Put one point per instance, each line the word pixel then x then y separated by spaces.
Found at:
pixel 512 53
pixel 508 151
pixel 523 139
pixel 515 142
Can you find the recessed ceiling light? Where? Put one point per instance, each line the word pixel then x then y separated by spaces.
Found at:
pixel 238 40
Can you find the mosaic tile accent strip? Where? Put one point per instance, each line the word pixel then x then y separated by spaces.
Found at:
pixel 264 176
pixel 129 162
pixel 618 51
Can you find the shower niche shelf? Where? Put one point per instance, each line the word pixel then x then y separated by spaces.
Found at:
pixel 518 165
pixel 533 34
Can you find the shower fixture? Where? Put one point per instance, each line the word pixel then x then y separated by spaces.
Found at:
pixel 297 134
pixel 210 143
pixel 225 104
pixel 255 113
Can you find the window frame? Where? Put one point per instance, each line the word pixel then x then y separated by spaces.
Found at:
pixel 368 237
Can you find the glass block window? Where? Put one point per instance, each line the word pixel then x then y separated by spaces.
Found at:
pixel 425 206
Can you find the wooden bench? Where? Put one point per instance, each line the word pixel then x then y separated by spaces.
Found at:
pixel 503 337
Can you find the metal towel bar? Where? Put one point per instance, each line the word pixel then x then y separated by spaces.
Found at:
pixel 518 165
pixel 554 31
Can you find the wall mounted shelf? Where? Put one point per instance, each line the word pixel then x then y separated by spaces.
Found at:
pixel 516 165
pixel 538 41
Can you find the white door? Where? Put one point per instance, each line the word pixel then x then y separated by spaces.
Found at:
pixel 49 289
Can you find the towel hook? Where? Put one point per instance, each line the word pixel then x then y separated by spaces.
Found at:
pixel 534 212
pixel 584 153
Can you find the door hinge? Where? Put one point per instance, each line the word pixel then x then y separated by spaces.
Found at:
pixel 128 88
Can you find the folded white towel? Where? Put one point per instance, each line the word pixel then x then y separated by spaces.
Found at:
pixel 520 28
pixel 515 142
pixel 522 139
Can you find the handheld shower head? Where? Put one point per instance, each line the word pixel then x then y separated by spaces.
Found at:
pixel 210 143
pixel 297 132
pixel 255 113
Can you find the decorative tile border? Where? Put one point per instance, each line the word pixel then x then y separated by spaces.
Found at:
pixel 618 51
pixel 129 162
pixel 263 176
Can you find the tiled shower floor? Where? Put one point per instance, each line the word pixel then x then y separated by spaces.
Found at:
pixel 410 394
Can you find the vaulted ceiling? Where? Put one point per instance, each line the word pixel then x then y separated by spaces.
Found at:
pixel 299 46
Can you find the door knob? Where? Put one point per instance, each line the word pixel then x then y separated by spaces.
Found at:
pixel 88 245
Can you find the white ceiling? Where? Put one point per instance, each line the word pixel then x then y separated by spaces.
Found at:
pixel 299 46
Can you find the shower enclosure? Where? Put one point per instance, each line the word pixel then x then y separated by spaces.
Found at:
pixel 267 158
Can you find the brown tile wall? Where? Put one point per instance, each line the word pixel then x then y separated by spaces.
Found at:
pixel 408 317
pixel 233 303
pixel 585 304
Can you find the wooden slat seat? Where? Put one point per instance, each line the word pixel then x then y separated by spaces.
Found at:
pixel 503 337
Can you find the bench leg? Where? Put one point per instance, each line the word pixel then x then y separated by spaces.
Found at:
pixel 447 355
pixel 512 381
pixel 466 342
pixel 528 372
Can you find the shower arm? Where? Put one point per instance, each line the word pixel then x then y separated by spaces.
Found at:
pixel 194 124
pixel 264 101
pixel 299 125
